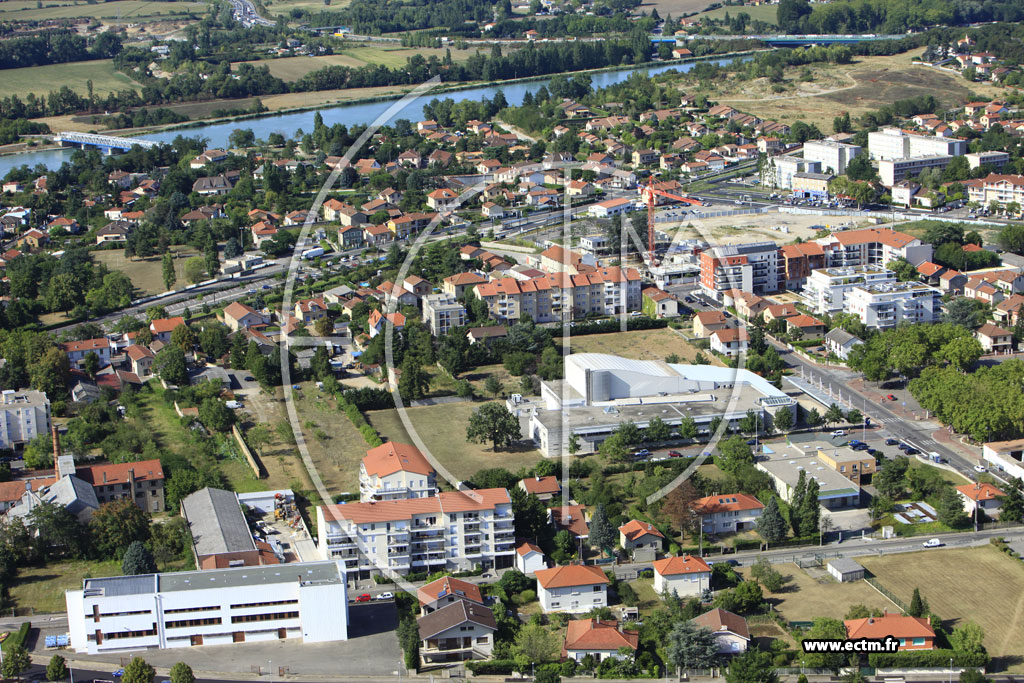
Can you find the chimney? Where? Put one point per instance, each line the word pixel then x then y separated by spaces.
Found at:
pixel 537 477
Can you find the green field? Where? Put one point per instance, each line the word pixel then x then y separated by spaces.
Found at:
pixel 765 13
pixel 133 10
pixel 285 6
pixel 43 79
pixel 294 68
pixel 146 274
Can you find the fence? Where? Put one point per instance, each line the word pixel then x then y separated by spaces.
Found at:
pixel 886 592
pixel 696 215
pixel 250 457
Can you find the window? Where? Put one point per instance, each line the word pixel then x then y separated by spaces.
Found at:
pixel 184 623
pixel 482 640
pixel 597 589
pixel 180 610
pixel 918 641
pixel 128 634
pixel 264 604
pixel 245 618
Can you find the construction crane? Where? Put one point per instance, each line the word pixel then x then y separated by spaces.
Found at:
pixel 651 202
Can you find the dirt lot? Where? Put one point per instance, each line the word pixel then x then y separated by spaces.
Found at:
pixel 805 598
pixel 280 458
pixel 335 446
pixel 755 227
pixel 977 584
pixel 146 274
pixel 639 344
pixel 443 430
pixel 867 84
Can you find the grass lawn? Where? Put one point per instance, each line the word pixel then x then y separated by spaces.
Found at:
pixel 43 79
pixel 396 56
pixel 280 458
pixel 443 430
pixel 964 584
pixel 134 10
pixel 479 375
pixel 335 445
pixel 805 598
pixel 955 478
pixel 146 274
pixel 649 599
pixel 765 13
pixel 639 344
pixel 285 6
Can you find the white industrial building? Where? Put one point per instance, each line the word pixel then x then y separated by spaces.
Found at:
pixel 893 143
pixel 831 155
pixel 887 305
pixel 306 602
pixel 826 288
pixel 600 391
pixel 24 415
pixel 787 167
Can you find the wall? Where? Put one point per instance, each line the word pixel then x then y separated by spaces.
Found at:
pixel 250 457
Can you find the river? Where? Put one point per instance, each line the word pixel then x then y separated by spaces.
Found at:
pixel 348 114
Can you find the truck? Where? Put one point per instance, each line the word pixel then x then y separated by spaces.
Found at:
pixel 313 253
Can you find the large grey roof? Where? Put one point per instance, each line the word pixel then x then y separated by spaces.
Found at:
pixel 148 584
pixel 217 523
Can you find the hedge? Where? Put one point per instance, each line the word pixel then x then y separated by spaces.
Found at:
pixel 613 325
pixel 494 667
pixel 18 638
pixel 927 658
pixel 369 398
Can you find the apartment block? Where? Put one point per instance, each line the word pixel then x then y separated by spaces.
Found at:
pixel 888 304
pixel 396 471
pixel 216 607
pixel 797 262
pixel 994 159
pixel 893 143
pixel 826 288
pixel 23 416
pixel 891 171
pixel 454 530
pixel 750 267
pixel 787 167
pixel 996 188
pixel 832 156
pixel 442 312
pixel 872 245
pixel 604 291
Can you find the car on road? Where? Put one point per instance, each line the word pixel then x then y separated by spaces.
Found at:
pixel 891 397
pixel 118 673
pixel 364 597
pixel 675 454
pixel 891 442
pixel 910 450
pixel 751 442
pixel 980 468
pixel 932 543
pixel 642 453
pixel 387 595
pixel 838 433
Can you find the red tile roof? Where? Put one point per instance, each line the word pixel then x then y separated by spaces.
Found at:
pixel 86 345
pixel 634 529
pixel 445 586
pixel 571 517
pixel 393 510
pixel 719 619
pixel 592 635
pixel 526 548
pixel 980 492
pixel 394 457
pixel 541 485
pixel 728 503
pixel 688 564
pixel 571 575
pixel 165 324
pixel 103 475
pixel 894 625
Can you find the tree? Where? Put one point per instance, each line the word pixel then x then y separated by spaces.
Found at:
pixel 961 352
pixel 905 270
pixel 770 525
pixel 534 644
pixel 215 415
pixel 138 560
pixel 1013 505
pixel 138 671
pixel 195 269
pixel 170 277
pixel 890 481
pixel 258 436
pixel 688 428
pixel 414 382
pixel 796 502
pixel 964 312
pixel 967 637
pixel 494 423
pixel 826 629
pixel 753 666
pixel 949 508
pixel 833 415
pixel 492 385
pixel 657 431
pixel 184 338
pixel 91 364
pixel 170 365
pixel 812 418
pixel 691 647
pixel 810 511
pixel 783 420
pixel 602 535
pixel 918 605
pixel 116 524
pixel 241 138
pixel 57 669
pixel 182 673
pixel 16 662
pixel 769 577
pixel 735 453
pixel 854 416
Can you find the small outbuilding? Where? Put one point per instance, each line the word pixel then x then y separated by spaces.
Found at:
pixel 845 570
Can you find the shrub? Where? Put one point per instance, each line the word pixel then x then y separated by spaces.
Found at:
pixel 495 667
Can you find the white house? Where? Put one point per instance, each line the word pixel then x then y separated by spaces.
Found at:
pixel 730 341
pixel 445 591
pixel 728 513
pixel 637 535
pixel 212 607
pixel 985 497
pixel 530 558
pixel 685 575
pixel 394 471
pixel 77 351
pixel 460 631
pixel 839 342
pixel 575 589
pixel 730 630
pixel 597 638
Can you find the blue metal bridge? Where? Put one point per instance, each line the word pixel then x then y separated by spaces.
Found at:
pixel 109 144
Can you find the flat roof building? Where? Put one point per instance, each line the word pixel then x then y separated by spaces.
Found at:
pixel 305 601
pixel 835 491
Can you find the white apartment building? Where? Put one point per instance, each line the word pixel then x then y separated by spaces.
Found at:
pixel 891 171
pixel 752 267
pixel 832 156
pixel 576 589
pixel 77 351
pixel 394 471
pixel 604 291
pixel 307 602
pixel 442 312
pixel 872 245
pixel 454 530
pixel 888 304
pixel 996 188
pixel 893 143
pixel 786 167
pixel 826 288
pixel 23 416
pixel 995 159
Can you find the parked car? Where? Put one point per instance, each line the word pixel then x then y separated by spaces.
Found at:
pixel 365 597
pixel 751 442
pixel 838 433
pixel 642 453
pixel 980 468
pixel 911 450
pixel 891 442
pixel 387 595
pixel 118 673
pixel 932 543
pixel 891 397
pixel 675 454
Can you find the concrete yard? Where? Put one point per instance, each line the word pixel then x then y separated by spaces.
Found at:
pixel 755 227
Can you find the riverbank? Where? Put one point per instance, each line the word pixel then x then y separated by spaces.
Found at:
pixel 296 103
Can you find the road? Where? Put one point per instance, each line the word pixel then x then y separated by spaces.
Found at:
pixel 246 14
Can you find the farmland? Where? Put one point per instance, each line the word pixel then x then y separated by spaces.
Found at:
pixel 127 10
pixel 42 79
pixel 963 584
pixel 765 13
pixel 443 430
pixel 638 344
pixel 294 68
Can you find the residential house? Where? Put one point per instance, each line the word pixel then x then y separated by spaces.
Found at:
pixel 657 303
pixel 214 185
pixel 394 471
pixel 728 513
pixel 809 327
pixel 446 591
pixel 686 575
pixel 161 328
pixel 529 558
pixel 237 315
pixel 730 630
pixel 576 589
pixel 457 284
pixel 461 631
pixel 729 341
pixel 544 488
pixel 310 310
pixel 140 360
pixel 981 496
pixel 442 199
pixel 994 339
pixel 572 518
pixel 33 239
pixel 377 320
pixel 839 343
pixel 636 535
pixel 706 322
pixel 598 639
pixel 77 351
pixel 913 633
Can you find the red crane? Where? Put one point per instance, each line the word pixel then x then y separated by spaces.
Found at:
pixel 651 194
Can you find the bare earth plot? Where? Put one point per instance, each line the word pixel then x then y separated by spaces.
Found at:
pixel 805 598
pixel 280 458
pixel 638 344
pixel 755 227
pixel 765 13
pixel 134 10
pixel 677 8
pixel 335 445
pixel 964 584
pixel 443 430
